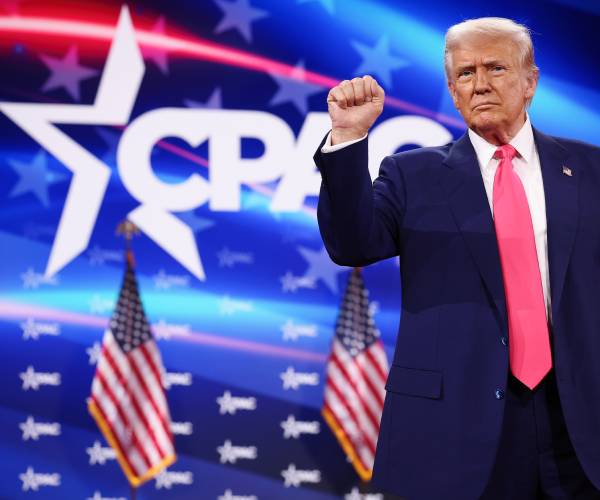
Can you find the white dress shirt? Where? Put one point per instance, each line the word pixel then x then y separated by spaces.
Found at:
pixel 527 166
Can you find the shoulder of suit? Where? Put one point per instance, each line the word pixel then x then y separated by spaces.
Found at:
pixel 423 154
pixel 574 145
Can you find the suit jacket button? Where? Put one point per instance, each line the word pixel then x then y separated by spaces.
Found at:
pixel 499 394
pixel 504 341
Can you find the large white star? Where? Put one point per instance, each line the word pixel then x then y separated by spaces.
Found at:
pixel 66 73
pixel 378 60
pixel 238 14
pixel 321 267
pixel 113 104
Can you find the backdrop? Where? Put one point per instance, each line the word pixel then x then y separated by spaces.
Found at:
pixel 206 143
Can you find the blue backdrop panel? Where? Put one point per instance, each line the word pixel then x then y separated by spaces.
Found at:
pixel 202 131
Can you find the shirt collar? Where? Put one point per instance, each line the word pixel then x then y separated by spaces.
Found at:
pixel 523 142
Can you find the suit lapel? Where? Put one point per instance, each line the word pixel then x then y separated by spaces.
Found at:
pixel 469 205
pixel 560 192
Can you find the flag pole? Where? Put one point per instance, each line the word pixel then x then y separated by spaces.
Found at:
pixel 128 230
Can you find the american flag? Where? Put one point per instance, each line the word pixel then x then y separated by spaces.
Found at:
pixel 356 373
pixel 128 400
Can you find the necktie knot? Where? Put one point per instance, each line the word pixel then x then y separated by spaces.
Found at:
pixel 505 152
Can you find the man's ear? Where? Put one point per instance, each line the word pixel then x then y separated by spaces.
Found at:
pixel 532 80
pixel 452 90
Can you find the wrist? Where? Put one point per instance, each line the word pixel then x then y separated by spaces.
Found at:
pixel 344 135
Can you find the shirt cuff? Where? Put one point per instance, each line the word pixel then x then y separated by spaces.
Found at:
pixel 328 148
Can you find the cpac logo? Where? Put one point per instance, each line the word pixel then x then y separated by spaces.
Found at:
pixel 100 454
pixel 33 430
pixel 295 477
pixel 293 380
pixel 230 404
pixel 166 331
pixel 285 157
pixel 291 331
pixel 34 329
pixel 33 480
pixel 164 281
pixel 166 479
pixel 32 379
pixel 292 428
pixel 228 258
pixel 228 495
pixel 228 453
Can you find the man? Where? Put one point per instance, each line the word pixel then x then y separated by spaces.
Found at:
pixel 494 390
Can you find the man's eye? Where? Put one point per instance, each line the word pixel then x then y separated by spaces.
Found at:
pixel 465 73
pixel 498 68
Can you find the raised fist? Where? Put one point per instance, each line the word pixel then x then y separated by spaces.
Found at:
pixel 353 106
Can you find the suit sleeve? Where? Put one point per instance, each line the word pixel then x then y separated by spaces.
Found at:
pixel 359 220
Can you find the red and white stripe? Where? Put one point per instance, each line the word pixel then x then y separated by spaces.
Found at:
pixel 354 395
pixel 127 390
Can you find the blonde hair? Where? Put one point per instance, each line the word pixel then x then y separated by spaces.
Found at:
pixel 494 27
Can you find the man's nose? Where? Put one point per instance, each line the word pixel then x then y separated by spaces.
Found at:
pixel 482 83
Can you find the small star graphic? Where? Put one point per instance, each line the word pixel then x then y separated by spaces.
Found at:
pixel 156 54
pixel 94 353
pixel 29 480
pixel 226 404
pixel 290 476
pixel 290 429
pixel 294 89
pixel 66 73
pixel 238 14
pixel 321 267
pixel 29 379
pixel 327 4
pixel 289 378
pixel 226 453
pixel 34 177
pixel 28 429
pixel 378 60
pixel 30 330
pixel 214 101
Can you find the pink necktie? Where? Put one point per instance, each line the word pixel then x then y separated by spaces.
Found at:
pixel 529 342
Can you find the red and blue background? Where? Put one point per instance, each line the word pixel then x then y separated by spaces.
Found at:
pixel 266 271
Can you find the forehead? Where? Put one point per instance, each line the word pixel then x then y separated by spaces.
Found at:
pixel 476 49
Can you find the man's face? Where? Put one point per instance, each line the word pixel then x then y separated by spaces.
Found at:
pixel 489 87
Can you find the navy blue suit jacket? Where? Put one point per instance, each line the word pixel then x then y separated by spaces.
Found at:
pixel 443 411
